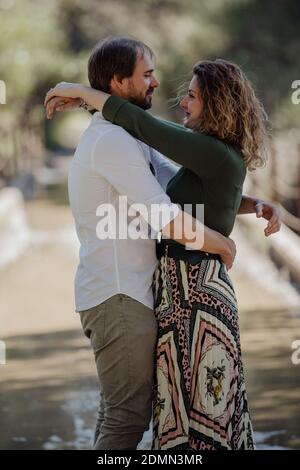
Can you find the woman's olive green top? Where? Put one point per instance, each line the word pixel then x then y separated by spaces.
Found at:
pixel 212 171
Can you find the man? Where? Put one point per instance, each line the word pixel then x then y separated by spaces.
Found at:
pixel 114 277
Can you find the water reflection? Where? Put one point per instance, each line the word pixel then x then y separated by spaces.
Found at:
pixel 273 381
pixel 49 392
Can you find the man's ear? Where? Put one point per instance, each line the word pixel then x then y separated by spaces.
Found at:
pixel 117 82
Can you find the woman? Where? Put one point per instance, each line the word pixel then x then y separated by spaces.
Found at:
pixel 200 400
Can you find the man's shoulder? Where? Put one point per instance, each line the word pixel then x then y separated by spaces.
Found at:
pixel 107 129
pixel 100 132
pixel 101 136
pixel 106 135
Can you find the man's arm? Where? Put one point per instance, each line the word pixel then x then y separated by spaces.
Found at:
pixel 268 210
pixel 118 158
pixel 164 168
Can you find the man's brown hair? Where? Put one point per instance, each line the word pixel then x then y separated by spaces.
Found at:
pixel 115 55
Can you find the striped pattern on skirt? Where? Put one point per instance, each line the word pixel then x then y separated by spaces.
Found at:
pixel 199 392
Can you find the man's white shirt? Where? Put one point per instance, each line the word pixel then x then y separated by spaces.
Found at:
pixel 109 163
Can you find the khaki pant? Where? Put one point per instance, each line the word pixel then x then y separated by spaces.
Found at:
pixel 123 336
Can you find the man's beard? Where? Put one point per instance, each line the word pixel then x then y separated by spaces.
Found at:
pixel 144 102
pixel 140 101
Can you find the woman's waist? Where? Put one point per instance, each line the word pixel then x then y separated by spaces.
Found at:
pixel 216 216
pixel 175 250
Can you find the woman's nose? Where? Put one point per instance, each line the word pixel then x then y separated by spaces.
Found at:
pixel 183 103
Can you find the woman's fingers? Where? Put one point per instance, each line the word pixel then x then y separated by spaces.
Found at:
pixel 275 219
pixel 63 89
pixel 51 106
pixel 273 228
pixel 49 95
pixel 61 104
pixel 274 224
pixel 64 106
pixel 68 103
pixel 56 91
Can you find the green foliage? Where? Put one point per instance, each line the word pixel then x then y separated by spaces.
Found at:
pixel 46 41
pixel 265 41
pixel 33 55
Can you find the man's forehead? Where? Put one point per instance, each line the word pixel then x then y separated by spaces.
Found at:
pixel 145 62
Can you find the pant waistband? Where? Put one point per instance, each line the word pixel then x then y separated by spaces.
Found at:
pixel 179 252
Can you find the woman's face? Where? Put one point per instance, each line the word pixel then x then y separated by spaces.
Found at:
pixel 192 104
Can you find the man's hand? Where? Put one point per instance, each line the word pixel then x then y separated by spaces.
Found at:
pixel 270 212
pixel 61 104
pixel 228 255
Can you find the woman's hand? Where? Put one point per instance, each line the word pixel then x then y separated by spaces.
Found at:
pixel 65 90
pixel 271 212
pixel 94 98
pixel 61 104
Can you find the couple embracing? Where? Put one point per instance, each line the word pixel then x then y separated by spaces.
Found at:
pixel 161 312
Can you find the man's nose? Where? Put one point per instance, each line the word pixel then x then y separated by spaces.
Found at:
pixel 155 83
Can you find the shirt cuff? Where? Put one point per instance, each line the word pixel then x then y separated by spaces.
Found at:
pixel 111 108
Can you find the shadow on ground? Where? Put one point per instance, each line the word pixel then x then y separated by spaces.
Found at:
pixel 49 391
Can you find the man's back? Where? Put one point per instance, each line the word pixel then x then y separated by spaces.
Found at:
pixel 101 171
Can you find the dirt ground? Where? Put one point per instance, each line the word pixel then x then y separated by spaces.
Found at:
pixel 48 385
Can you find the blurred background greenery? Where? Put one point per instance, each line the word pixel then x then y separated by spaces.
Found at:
pixel 43 42
pixel 46 42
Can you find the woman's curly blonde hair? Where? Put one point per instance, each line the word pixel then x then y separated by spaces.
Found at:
pixel 231 110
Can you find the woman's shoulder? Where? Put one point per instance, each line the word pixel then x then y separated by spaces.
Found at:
pixel 235 156
pixel 226 153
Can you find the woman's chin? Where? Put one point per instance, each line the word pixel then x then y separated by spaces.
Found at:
pixel 187 123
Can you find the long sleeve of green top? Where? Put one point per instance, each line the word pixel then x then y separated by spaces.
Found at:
pixel 212 171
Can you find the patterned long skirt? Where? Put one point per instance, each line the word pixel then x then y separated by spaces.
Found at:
pixel 199 394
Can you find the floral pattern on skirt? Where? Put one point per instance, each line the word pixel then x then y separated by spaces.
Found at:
pixel 200 399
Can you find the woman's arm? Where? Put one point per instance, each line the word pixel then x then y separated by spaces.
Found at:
pixel 198 152
pixel 183 228
pixel 68 92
